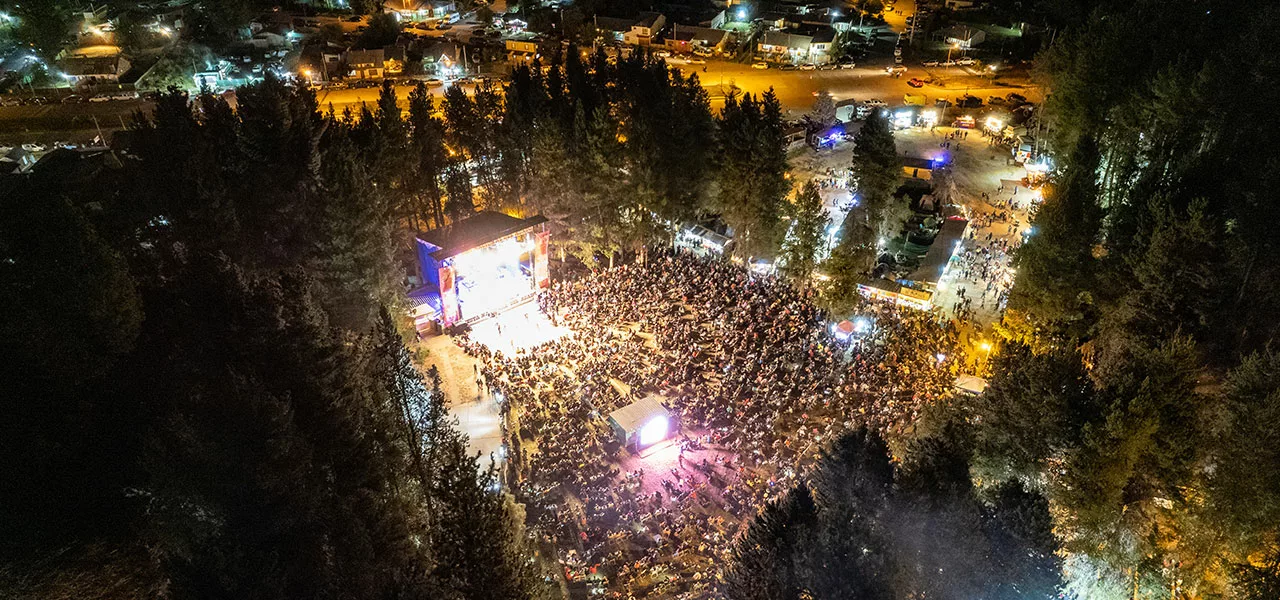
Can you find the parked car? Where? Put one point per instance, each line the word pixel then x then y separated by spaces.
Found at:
pixel 11 102
pixel 947 63
pixel 1016 98
pixel 828 67
pixel 352 19
pixel 789 68
pixel 995 100
pixel 760 65
pixel 929 63
pixel 697 61
pixel 100 98
pixel 966 61
pixel 808 67
pixel 72 99
pixel 434 82
pixel 874 102
pixel 444 26
pixel 969 102
pixel 915 82
pixel 896 69
pixel 33 147
pixel 62 144
pixel 662 54
pixel 847 64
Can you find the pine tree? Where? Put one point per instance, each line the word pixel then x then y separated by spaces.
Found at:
pixel 876 169
pixel 752 183
pixel 848 264
pixel 808 228
pixel 429 157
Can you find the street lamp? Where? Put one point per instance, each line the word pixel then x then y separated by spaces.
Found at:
pixel 954 46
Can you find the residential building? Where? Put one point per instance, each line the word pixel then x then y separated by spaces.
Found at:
pixel 522 50
pixel 964 36
pixel 821 45
pixel 394 58
pixel 784 47
pixel 420 10
pixel 644 29
pixel 366 64
pixel 91 70
pixel 684 38
pixel 612 29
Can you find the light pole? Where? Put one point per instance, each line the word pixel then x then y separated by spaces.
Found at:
pixel 954 45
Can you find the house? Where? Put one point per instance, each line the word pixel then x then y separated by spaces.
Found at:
pixel 420 10
pixel 365 64
pixel 774 20
pixel 643 30
pixel 964 36
pixel 612 29
pixel 784 47
pixel 820 46
pixel 684 38
pixel 394 59
pixel 89 70
pixel 522 50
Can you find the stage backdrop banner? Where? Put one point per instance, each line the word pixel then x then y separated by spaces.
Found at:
pixel 541 272
pixel 449 312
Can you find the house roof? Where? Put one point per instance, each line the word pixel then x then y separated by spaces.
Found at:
pixel 613 23
pixel 475 231
pixel 364 57
pixel 80 66
pixel 789 40
pixel 705 35
pixel 825 35
pixel 632 417
pixel 647 19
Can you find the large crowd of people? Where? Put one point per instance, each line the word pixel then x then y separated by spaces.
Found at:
pixel 751 369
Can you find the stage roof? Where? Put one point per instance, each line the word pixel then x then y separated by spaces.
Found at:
pixel 475 231
pixel 633 416
pixel 940 251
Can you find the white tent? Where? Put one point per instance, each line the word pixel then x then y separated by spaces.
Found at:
pixel 970 384
pixel 641 423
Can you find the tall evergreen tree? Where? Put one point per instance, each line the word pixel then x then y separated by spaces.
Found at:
pixel 808 228
pixel 429 157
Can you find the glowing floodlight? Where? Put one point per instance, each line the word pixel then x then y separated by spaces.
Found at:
pixel 654 431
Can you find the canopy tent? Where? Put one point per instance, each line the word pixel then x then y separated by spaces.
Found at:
pixel 641 423
pixel 970 384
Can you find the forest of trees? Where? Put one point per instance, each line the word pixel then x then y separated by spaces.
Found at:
pixel 1137 387
pixel 1135 399
pixel 178 426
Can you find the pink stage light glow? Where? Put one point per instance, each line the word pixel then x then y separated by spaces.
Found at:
pixel 653 431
